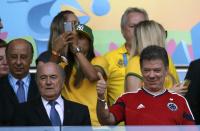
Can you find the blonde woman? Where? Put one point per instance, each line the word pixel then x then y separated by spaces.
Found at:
pixel 149 33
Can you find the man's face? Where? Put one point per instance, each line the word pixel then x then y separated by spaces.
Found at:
pixel 3 63
pixel 19 58
pixel 49 80
pixel 154 73
pixel 132 20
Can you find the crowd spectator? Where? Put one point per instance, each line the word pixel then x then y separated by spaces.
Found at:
pixel 3 62
pixel 80 63
pixel 148 33
pixel 153 104
pixel 193 93
pixel 19 85
pixel 51 109
pixel 118 59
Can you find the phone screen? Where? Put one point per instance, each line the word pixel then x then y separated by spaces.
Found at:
pixel 68 26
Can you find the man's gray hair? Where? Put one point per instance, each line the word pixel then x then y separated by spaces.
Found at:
pixel 132 10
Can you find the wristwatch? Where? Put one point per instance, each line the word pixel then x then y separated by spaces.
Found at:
pixel 76 50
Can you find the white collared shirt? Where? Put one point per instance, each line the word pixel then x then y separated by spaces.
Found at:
pixel 59 107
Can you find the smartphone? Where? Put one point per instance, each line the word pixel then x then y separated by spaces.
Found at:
pixel 68 26
pixel 186 82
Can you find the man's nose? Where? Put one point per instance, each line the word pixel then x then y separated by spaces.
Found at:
pixel 151 74
pixel 18 60
pixel 48 81
pixel 4 61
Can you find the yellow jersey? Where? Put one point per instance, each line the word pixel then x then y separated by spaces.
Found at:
pixel 85 94
pixel 117 61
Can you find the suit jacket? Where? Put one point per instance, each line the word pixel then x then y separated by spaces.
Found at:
pixel 33 113
pixel 9 99
pixel 193 93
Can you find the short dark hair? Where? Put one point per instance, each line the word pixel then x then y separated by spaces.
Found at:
pixel 26 41
pixel 154 52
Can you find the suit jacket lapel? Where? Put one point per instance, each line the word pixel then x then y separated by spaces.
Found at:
pixel 68 113
pixel 10 92
pixel 33 90
pixel 41 112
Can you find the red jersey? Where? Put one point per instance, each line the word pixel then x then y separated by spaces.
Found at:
pixel 143 108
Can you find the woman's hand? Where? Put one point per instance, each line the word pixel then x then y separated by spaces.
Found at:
pixel 61 42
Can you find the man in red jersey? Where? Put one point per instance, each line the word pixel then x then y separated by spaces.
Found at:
pixel 153 104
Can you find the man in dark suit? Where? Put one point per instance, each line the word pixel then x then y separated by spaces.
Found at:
pixel 193 74
pixel 41 112
pixel 19 85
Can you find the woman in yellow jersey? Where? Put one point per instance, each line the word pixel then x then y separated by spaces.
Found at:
pixel 76 49
pixel 149 33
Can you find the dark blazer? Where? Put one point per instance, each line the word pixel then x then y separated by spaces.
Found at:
pixel 33 113
pixel 193 94
pixel 9 99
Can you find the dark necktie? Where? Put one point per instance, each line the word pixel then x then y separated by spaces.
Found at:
pixel 54 116
pixel 20 91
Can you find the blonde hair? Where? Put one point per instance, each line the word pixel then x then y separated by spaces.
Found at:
pixel 148 33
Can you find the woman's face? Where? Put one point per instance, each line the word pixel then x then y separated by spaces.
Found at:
pixel 71 18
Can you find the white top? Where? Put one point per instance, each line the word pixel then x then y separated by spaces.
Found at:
pixel 59 107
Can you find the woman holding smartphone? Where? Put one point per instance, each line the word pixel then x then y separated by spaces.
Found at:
pixel 80 64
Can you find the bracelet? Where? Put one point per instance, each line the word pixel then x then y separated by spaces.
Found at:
pixel 55 53
pixel 102 100
pixel 64 59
